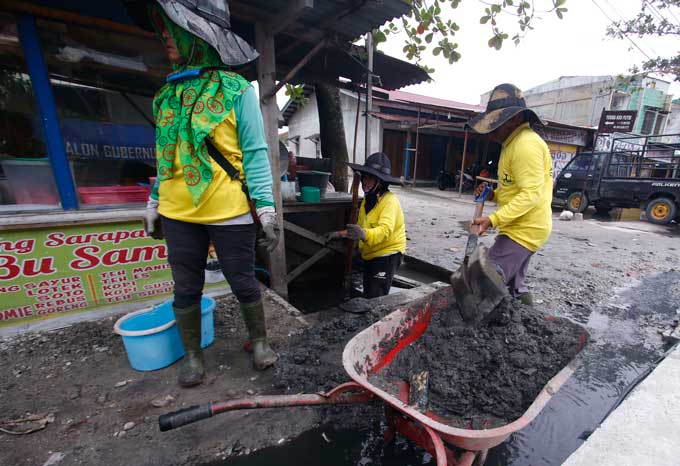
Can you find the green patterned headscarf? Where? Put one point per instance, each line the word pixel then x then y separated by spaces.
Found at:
pixel 186 112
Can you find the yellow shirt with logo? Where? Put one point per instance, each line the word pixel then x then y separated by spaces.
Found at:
pixel 524 195
pixel 384 226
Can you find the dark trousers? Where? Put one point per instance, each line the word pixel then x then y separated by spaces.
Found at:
pixel 379 273
pixel 188 252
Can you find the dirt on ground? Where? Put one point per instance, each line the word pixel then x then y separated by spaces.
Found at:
pixel 486 375
pixel 96 410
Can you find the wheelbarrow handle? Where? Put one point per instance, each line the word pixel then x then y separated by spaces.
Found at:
pixel 345 394
pixel 185 416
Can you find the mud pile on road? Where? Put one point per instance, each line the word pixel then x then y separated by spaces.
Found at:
pixel 312 360
pixel 488 375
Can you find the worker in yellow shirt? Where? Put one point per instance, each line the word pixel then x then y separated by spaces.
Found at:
pixel 380 228
pixel 211 158
pixel 524 195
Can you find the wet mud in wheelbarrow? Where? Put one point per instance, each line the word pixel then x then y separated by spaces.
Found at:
pixel 484 376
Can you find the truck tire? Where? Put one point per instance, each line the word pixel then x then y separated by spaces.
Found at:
pixel 661 210
pixel 577 202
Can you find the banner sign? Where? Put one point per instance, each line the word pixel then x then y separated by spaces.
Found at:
pixel 561 156
pixel 50 272
pixel 617 121
pixel 93 140
pixel 574 137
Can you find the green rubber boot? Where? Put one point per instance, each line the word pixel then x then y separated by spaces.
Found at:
pixel 526 298
pixel 253 316
pixel 191 370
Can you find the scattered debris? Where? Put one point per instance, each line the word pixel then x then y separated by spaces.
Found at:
pixel 162 401
pixel 567 215
pixel 27 425
pixel 122 383
pixel 54 459
pixel 578 217
pixel 325 437
pixel 128 426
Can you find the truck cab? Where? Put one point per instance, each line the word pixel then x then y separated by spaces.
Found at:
pixel 639 172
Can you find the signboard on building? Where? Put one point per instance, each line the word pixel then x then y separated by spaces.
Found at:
pixel 50 272
pixel 617 121
pixel 94 140
pixel 574 137
pixel 561 155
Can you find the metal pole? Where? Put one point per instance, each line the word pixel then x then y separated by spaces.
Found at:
pixel 369 93
pixel 415 163
pixel 40 80
pixel 462 165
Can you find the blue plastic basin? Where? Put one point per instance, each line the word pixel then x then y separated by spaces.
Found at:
pixel 151 338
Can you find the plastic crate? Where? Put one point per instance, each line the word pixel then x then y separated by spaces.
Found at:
pixel 113 194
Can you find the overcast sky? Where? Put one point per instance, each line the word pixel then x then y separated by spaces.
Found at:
pixel 575 45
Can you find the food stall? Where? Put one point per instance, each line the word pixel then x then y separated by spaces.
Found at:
pixel 77 155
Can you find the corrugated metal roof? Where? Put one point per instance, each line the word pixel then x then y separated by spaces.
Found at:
pixel 360 16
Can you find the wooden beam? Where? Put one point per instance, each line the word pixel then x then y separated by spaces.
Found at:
pixel 266 76
pixel 318 239
pixel 295 9
pixel 307 264
pixel 291 74
pixel 68 17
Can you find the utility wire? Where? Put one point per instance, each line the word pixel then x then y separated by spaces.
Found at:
pixel 621 31
pixel 662 15
pixel 624 19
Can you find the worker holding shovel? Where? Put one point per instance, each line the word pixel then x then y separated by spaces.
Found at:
pixel 380 229
pixel 210 143
pixel 524 196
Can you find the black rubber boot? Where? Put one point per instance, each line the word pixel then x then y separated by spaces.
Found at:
pixel 253 316
pixel 191 370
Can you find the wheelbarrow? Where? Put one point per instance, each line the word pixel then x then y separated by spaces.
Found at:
pixel 369 352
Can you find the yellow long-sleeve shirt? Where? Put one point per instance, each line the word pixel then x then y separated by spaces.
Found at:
pixel 525 188
pixel 384 226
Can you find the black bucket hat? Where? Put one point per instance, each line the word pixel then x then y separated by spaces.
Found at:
pixel 505 102
pixel 378 165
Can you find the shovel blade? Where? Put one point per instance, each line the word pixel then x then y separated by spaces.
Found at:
pixel 478 287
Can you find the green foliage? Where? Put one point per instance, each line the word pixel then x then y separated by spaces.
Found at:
pixel 656 18
pixel 430 25
pixel 296 94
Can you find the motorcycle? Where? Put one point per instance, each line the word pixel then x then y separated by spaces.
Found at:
pixel 446 179
pixel 468 180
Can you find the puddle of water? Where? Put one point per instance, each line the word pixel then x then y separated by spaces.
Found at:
pixel 619 352
pixel 331 447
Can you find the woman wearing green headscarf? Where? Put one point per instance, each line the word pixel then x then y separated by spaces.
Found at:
pixel 196 200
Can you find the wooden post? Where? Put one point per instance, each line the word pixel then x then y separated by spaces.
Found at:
pixel 266 79
pixel 415 162
pixel 462 165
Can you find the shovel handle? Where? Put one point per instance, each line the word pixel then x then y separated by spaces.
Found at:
pixel 185 416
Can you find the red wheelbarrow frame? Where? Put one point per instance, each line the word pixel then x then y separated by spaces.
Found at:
pixel 372 350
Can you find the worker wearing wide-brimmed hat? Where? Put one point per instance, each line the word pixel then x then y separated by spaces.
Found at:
pixel 380 228
pixel 212 158
pixel 524 194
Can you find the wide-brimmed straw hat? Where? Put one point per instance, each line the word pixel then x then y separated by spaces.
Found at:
pixel 378 165
pixel 505 102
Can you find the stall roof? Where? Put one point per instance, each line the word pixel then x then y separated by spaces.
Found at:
pixel 335 22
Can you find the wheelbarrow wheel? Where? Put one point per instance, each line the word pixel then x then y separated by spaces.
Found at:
pixel 480 459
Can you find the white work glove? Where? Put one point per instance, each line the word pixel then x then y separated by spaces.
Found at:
pixel 151 218
pixel 355 232
pixel 270 228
